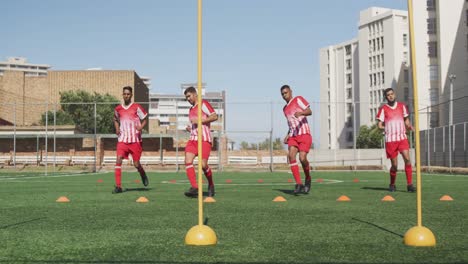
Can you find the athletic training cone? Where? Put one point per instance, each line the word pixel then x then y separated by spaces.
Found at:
pixel 319 180
pixel 209 200
pixel 343 198
pixel 356 180
pixel 62 199
pixel 142 199
pixel 279 199
pixel 388 198
pixel 446 198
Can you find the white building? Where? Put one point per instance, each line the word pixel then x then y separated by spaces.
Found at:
pixel 171 110
pixel 21 64
pixel 339 86
pixel 377 59
pixel 441 41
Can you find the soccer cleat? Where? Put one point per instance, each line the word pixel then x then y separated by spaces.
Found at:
pixel 211 191
pixel 144 180
pixel 392 188
pixel 307 185
pixel 192 192
pixel 410 188
pixel 117 190
pixel 299 188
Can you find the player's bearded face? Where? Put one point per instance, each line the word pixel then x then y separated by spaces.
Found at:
pixel 127 96
pixel 191 98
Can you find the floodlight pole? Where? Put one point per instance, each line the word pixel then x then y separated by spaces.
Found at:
pixel 451 78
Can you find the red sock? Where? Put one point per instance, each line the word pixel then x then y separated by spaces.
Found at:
pixel 295 171
pixel 209 175
pixel 392 176
pixel 409 174
pixel 118 175
pixel 190 170
pixel 141 171
pixel 307 171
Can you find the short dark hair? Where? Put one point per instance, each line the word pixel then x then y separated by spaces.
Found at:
pixel 127 88
pixel 191 89
pixel 387 90
pixel 285 87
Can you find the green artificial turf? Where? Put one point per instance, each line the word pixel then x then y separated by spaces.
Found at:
pixel 99 227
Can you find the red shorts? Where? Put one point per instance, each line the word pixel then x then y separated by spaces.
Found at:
pixel 123 149
pixel 302 142
pixel 192 147
pixel 393 148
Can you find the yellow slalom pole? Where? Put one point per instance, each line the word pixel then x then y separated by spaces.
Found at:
pixel 200 235
pixel 417 235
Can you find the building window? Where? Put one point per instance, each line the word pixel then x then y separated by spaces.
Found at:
pixel 350 136
pixel 349 93
pixel 373 45
pixel 349 79
pixel 382 60
pixel 370 63
pixel 378 43
pixel 348 49
pixel 432 49
pixel 434 95
pixel 381 42
pixel 434 72
pixel 349 108
pixel 349 123
pixel 405 57
pixel 328 81
pixel 348 64
pixel 405 40
pixel 383 77
pixel 406 91
pixel 466 17
pixel 431 26
pixel 406 76
pixel 431 5
pixel 375 79
pixel 370 79
pixel 378 61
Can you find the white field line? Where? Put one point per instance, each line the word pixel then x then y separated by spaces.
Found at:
pixel 325 181
pixel 48 176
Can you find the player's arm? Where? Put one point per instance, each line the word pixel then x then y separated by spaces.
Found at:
pixel 285 140
pixel 408 124
pixel 211 118
pixel 143 124
pixel 381 125
pixel 305 112
pixel 116 124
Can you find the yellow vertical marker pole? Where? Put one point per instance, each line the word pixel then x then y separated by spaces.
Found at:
pixel 418 236
pixel 200 235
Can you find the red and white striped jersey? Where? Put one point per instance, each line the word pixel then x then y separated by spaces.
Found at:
pixel 297 125
pixel 207 110
pixel 129 117
pixel 394 119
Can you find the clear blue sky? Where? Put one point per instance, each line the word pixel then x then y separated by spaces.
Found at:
pixel 250 47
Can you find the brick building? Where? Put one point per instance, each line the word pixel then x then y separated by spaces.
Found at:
pixel 27 97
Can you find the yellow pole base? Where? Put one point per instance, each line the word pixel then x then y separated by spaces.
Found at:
pixel 419 236
pixel 201 235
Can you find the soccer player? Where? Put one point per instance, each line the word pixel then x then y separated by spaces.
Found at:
pixel 298 138
pixel 393 119
pixel 191 149
pixel 129 120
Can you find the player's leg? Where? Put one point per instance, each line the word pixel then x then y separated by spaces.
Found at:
pixel 292 153
pixel 136 151
pixel 393 173
pixel 206 150
pixel 408 171
pixel 191 151
pixel 121 153
pixel 391 148
pixel 304 146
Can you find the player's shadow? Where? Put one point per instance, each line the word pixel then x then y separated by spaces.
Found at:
pixel 137 189
pixel 375 188
pixel 289 192
pixel 378 189
pixel 21 223
pixel 377 226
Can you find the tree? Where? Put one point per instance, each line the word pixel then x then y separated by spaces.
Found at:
pixel 369 137
pixel 264 145
pixel 78 109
